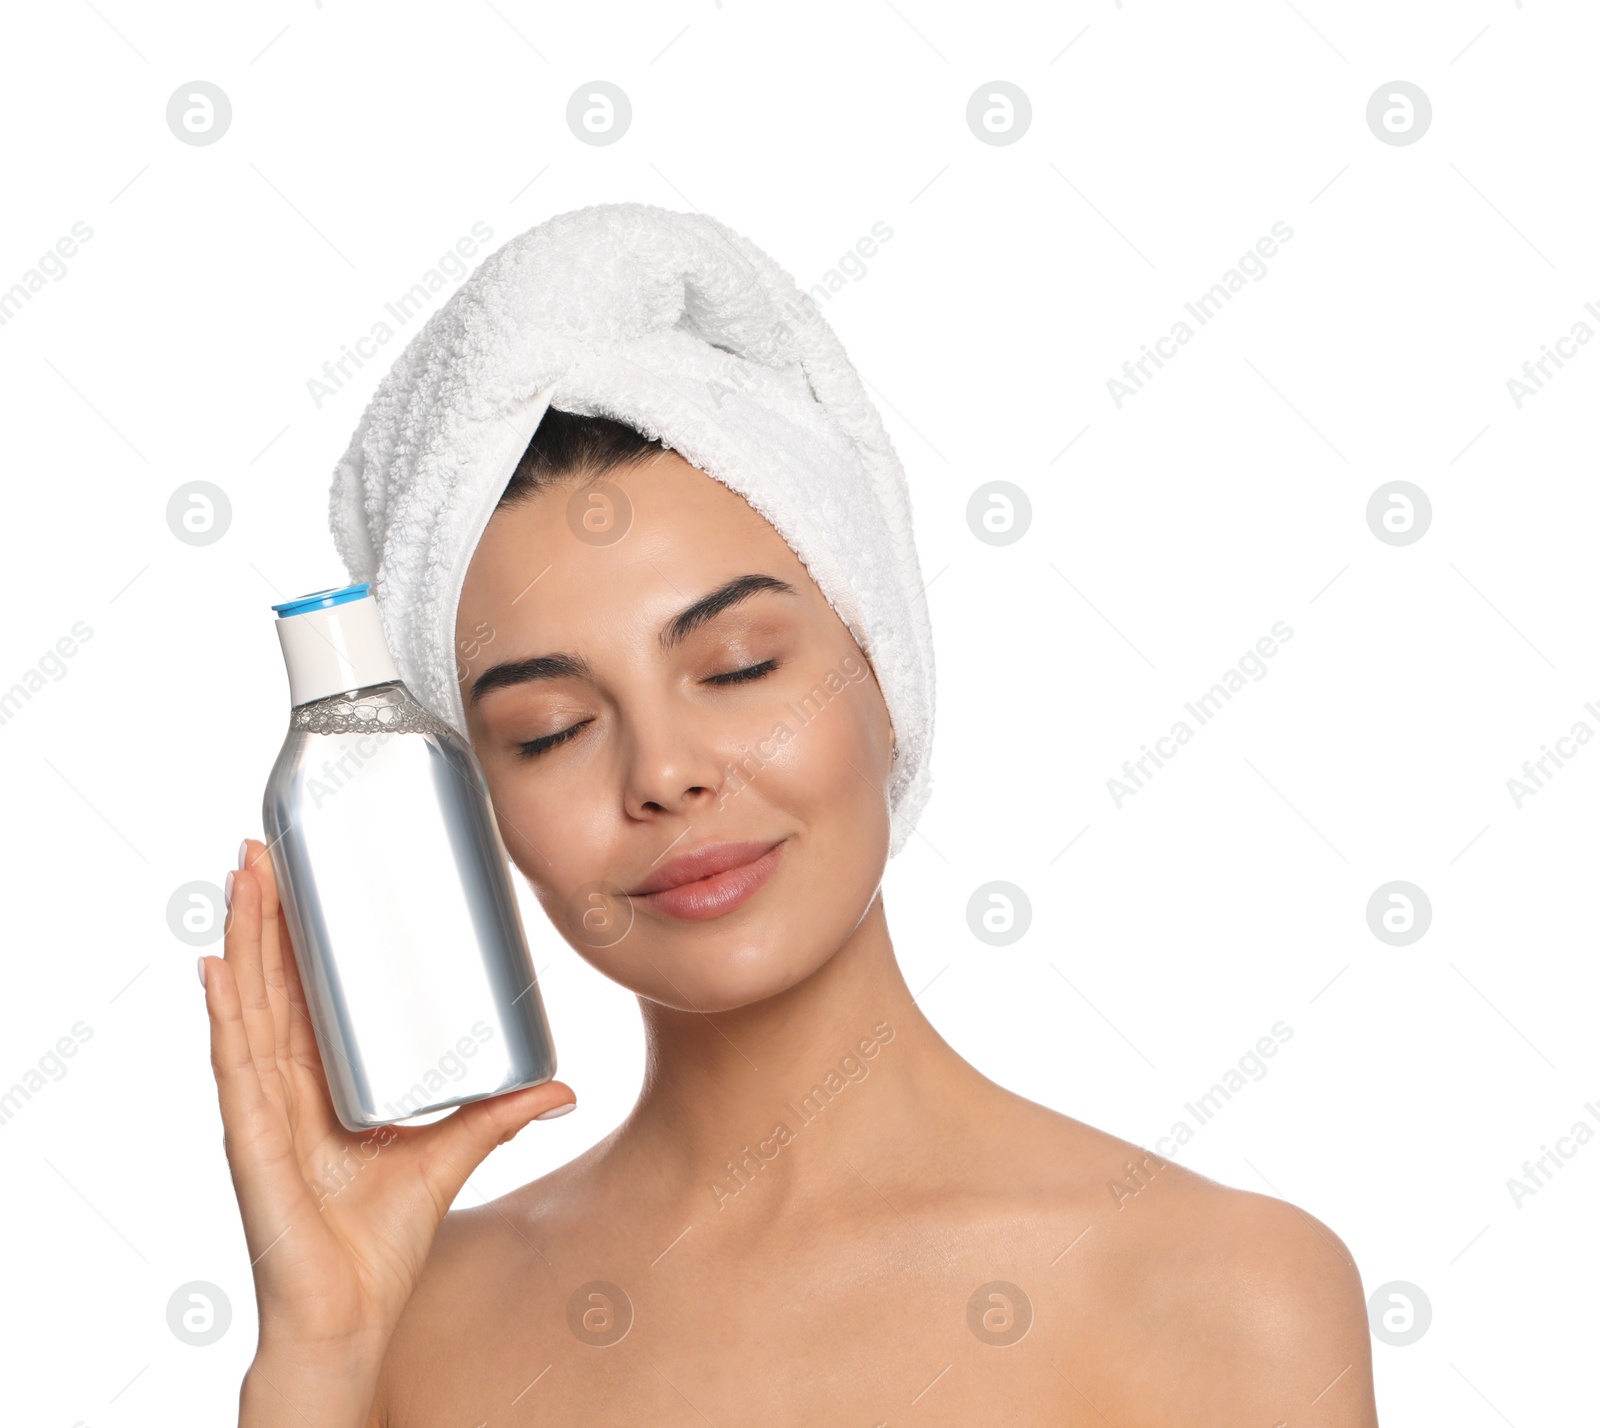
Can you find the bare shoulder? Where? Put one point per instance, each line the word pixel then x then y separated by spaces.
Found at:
pixel 1204 1303
pixel 485 1255
pixel 1272 1297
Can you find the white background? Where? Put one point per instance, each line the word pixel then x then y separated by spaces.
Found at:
pixel 1167 536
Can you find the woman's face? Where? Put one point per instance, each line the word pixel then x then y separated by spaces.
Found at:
pixel 624 720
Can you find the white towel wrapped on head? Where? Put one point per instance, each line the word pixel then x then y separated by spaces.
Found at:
pixel 685 330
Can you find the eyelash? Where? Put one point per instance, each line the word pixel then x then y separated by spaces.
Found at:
pixel 532 748
pixel 743 676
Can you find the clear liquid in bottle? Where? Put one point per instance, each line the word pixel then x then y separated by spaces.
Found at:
pixel 395 884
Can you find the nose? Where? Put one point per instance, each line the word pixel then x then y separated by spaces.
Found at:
pixel 672 767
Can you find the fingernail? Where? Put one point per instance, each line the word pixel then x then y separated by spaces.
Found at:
pixel 200 967
pixel 227 891
pixel 555 1111
pixel 244 847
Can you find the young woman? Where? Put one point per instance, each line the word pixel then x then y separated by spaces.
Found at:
pixel 817 1212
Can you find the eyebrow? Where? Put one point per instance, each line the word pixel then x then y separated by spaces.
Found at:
pixel 673 633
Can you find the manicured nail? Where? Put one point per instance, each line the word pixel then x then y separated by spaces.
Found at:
pixel 227 891
pixel 244 847
pixel 555 1111
pixel 200 967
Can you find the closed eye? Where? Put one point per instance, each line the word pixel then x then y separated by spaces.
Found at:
pixel 532 748
pixel 740 676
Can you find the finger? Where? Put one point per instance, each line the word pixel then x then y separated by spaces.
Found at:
pixel 260 1153
pixel 302 1030
pixel 302 1033
pixel 273 950
pixel 450 1150
pixel 242 952
pixel 306 1098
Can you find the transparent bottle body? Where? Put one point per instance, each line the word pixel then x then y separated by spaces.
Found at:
pixel 397 893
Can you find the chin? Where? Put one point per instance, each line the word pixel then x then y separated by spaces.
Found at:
pixel 718 965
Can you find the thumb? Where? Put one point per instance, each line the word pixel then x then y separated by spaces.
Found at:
pixel 457 1145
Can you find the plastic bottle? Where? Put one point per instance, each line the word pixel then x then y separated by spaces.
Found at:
pixel 394 882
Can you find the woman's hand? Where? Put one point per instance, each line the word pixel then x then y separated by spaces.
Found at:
pixel 338 1223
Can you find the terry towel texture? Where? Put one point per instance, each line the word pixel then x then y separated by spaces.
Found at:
pixel 684 329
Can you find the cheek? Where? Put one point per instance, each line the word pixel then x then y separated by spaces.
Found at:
pixel 568 862
pixel 827 767
pixel 557 840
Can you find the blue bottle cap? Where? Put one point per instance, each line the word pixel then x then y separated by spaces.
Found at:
pixel 322 600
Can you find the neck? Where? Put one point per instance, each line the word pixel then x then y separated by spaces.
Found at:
pixel 758 1112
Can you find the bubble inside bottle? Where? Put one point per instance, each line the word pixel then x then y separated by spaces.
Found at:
pixel 364 711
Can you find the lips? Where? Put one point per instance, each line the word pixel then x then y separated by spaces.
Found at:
pixel 703 862
pixel 710 880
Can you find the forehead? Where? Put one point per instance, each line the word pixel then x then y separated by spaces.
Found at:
pixel 681 533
